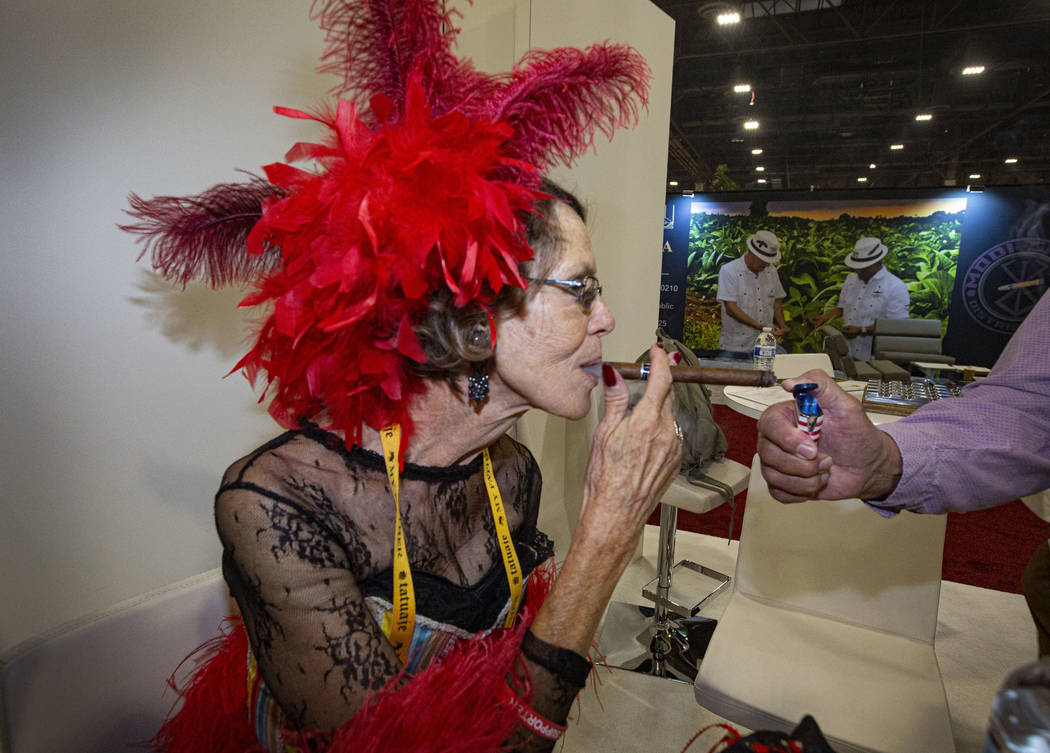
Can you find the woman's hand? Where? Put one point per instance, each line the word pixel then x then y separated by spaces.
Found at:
pixel 634 456
pixel 852 459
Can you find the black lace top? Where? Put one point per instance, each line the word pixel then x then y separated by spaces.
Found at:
pixel 307 529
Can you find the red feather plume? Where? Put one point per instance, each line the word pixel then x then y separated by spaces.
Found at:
pixel 203 236
pixel 374 46
pixel 556 100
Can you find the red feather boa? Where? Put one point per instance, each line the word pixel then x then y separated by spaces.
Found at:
pixel 448 707
pixel 397 213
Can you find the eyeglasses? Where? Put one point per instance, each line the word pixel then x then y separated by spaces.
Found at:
pixel 586 291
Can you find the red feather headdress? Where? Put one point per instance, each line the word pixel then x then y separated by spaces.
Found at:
pixel 421 185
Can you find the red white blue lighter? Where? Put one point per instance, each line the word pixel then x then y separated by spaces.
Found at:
pixel 810 417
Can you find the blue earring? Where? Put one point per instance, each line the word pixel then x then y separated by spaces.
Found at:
pixel 478 382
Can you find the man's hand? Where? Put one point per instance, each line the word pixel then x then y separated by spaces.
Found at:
pixel 854 459
pixel 851 331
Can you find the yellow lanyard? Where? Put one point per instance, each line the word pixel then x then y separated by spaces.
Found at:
pixel 404 607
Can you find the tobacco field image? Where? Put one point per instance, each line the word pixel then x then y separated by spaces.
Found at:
pixel 923 251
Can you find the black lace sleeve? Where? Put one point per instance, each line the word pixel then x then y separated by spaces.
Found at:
pixel 317 646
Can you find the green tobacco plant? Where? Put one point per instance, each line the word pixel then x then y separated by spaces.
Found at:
pixel 702 334
pixel 923 252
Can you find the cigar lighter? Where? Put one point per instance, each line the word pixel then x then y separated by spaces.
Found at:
pixel 810 417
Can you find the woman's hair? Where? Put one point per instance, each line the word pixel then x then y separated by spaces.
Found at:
pixel 455 337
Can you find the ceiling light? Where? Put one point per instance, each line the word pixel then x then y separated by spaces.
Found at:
pixel 672 183
pixel 872 166
pixel 1010 161
pixel 756 151
pixel 895 147
pixel 975 176
pixel 924 116
pixel 973 70
pixel 750 125
pixel 761 180
pixel 760 169
pixel 724 19
pixel 862 179
pixel 741 88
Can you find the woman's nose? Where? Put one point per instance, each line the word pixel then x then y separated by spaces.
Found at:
pixel 601 322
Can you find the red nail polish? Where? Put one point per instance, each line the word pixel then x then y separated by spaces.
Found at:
pixel 608 374
pixel 676 358
pixel 661 347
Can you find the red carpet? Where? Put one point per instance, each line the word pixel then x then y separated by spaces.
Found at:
pixel 988 548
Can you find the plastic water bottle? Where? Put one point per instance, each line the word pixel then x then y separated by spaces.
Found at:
pixel 1020 719
pixel 765 349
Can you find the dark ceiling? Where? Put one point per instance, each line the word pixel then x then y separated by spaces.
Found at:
pixel 835 82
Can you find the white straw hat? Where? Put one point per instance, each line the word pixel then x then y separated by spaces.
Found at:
pixel 765 246
pixel 866 252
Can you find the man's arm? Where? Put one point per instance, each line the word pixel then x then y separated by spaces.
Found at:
pixel 780 326
pixel 986 447
pixel 821 319
pixel 738 313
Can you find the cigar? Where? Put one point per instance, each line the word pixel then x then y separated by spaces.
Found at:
pixel 702 374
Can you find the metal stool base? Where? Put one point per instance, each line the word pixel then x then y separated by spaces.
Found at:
pixel 672 650
pixel 672 639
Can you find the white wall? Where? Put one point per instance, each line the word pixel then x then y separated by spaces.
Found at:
pixel 116 422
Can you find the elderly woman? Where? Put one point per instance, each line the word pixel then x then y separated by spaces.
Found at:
pixel 427 289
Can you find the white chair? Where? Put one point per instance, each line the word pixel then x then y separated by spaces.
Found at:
pixel 99 684
pixel 833 613
pixel 791 365
pixel 1039 503
pixel 667 651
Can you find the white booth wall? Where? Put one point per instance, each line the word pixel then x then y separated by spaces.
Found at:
pixel 116 420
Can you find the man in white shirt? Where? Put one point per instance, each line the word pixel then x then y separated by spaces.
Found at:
pixel 750 292
pixel 870 293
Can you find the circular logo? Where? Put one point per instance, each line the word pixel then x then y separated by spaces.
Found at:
pixel 1005 283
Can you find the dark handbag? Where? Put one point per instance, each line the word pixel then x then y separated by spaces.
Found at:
pixel 805 738
pixel 703 441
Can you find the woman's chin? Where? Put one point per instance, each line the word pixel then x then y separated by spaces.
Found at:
pixel 573 400
pixel 581 409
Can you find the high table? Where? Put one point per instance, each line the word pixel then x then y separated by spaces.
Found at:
pixel 751 401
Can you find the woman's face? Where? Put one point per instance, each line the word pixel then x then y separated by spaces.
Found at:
pixel 543 351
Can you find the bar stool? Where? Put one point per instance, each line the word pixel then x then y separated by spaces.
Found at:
pixel 670 652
